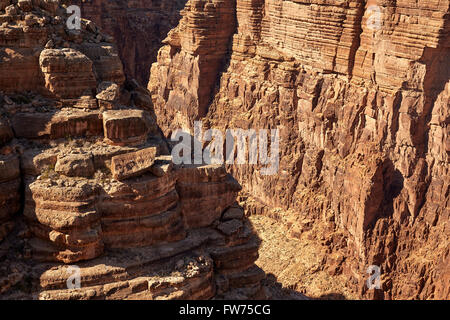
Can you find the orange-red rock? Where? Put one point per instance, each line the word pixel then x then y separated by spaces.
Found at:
pixel 132 164
pixel 98 188
pixel 360 101
pixel 137 26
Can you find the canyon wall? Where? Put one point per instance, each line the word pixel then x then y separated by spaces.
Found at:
pixel 138 27
pixel 361 100
pixel 87 185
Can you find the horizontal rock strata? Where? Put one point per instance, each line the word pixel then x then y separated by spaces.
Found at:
pixel 82 155
pixel 360 97
pixel 138 28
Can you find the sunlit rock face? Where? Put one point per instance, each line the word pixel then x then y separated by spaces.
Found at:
pixel 87 182
pixel 360 93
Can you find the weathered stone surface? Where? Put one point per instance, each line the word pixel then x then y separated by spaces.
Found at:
pixel 191 279
pixel 233 213
pixel 56 125
pixel 108 94
pixel 127 127
pixel 363 119
pixel 199 43
pixel 64 220
pixel 361 107
pixel 230 227
pixel 163 165
pixel 138 28
pixel 64 68
pixel 9 192
pixel 106 61
pixel 132 164
pixel 362 110
pixel 205 191
pixel 36 161
pixel 75 165
pixel 94 191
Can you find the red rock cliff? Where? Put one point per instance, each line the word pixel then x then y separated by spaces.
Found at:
pixel 138 27
pixel 362 104
pixel 86 179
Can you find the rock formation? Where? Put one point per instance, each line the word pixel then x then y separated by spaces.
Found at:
pixel 359 91
pixel 195 54
pixel 87 179
pixel 361 99
pixel 138 27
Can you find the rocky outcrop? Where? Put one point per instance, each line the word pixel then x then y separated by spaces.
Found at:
pixel 137 26
pixel 194 56
pixel 82 155
pixel 361 102
pixel 68 73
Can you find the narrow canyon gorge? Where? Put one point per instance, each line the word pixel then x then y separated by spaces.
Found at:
pixel 359 91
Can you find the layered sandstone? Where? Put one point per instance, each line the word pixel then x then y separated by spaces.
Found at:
pixel 194 57
pixel 361 102
pixel 138 28
pixel 82 155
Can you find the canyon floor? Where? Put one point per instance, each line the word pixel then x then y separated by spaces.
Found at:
pixel 294 267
